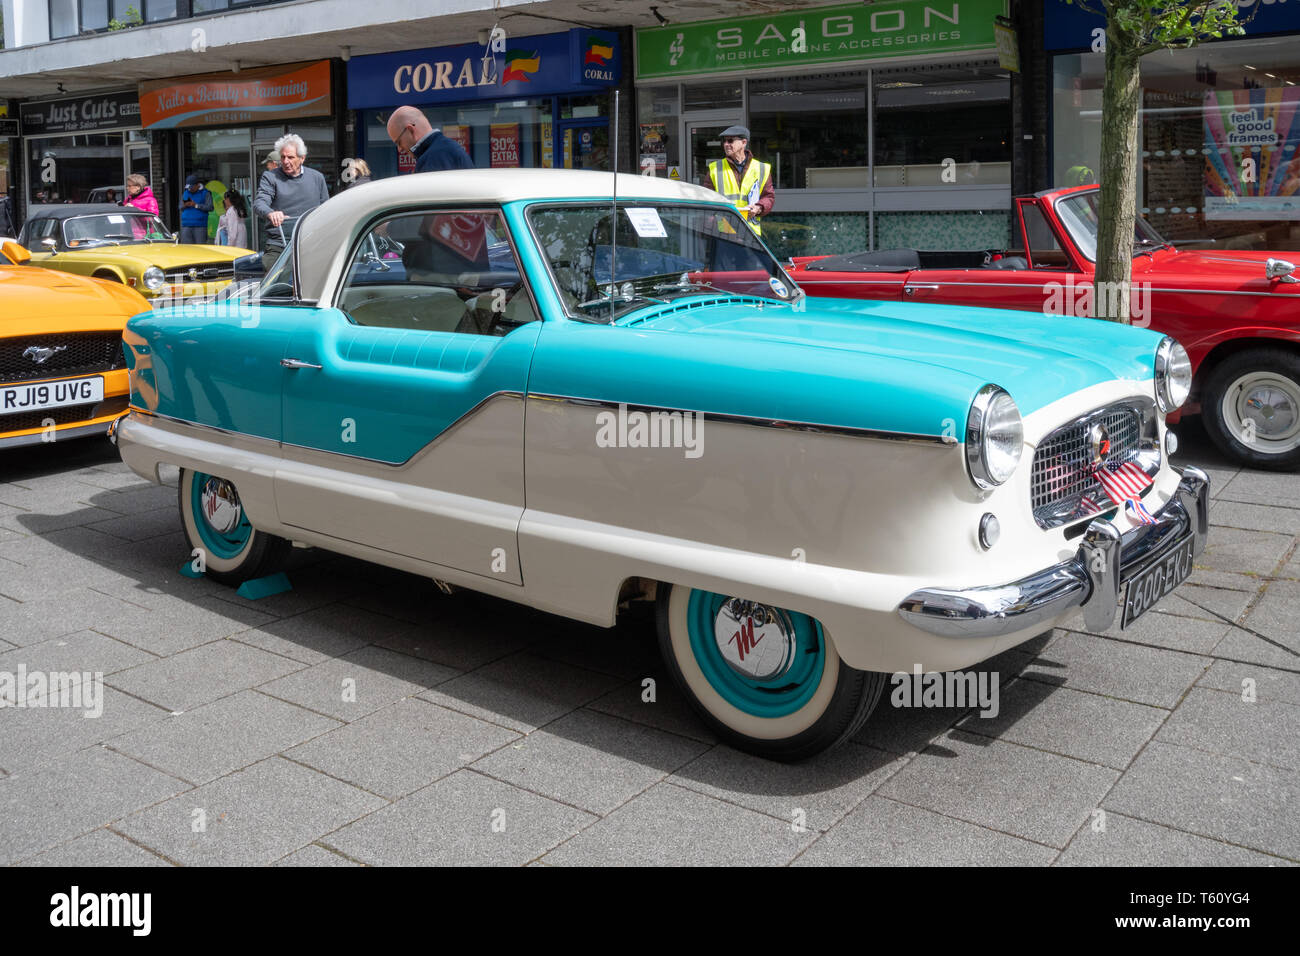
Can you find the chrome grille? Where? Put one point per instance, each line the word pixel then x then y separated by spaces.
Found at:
pixel 204 272
pixel 1062 476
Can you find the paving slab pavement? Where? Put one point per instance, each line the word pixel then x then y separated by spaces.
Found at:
pixel 366 718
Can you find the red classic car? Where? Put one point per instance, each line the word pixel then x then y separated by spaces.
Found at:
pixel 1237 313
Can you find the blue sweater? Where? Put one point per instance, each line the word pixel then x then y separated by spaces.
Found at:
pixel 196 215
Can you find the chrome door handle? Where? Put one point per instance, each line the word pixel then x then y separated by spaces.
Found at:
pixel 297 363
pixel 911 289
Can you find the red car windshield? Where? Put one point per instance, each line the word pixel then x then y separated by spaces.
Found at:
pixel 1080 213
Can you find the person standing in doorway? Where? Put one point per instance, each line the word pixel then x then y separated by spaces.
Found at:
pixel 287 193
pixel 743 180
pixel 411 132
pixel 196 203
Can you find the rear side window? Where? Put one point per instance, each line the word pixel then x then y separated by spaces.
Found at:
pixel 452 270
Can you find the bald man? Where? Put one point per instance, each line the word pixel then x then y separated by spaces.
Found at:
pixel 410 132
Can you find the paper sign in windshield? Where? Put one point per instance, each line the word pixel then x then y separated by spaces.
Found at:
pixel 117 220
pixel 647 223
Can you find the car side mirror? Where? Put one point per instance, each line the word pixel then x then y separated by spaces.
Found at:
pixel 50 244
pixel 15 253
pixel 1280 269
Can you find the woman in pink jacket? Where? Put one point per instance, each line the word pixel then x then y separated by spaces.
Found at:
pixel 140 195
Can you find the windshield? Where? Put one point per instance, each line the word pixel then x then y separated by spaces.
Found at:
pixel 1080 214
pixel 659 251
pixel 114 229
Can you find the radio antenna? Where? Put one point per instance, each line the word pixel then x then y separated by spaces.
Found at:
pixel 613 220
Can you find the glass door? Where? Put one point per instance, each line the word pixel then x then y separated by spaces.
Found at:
pixel 703 145
pixel 256 162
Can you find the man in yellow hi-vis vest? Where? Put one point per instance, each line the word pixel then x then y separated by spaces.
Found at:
pixel 743 180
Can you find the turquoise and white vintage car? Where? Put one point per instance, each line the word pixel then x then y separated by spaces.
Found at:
pixel 514 383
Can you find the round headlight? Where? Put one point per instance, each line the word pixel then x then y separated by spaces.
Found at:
pixel 995 437
pixel 154 279
pixel 1173 375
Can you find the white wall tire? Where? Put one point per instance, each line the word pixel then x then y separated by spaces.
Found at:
pixel 233 551
pixel 811 701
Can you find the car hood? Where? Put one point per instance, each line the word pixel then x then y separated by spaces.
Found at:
pixel 1036 358
pixel 1220 269
pixel 46 301
pixel 164 256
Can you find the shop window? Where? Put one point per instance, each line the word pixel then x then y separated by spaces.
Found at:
pixel 511 134
pixel 714 96
pixel 964 230
pixel 942 124
pixel 69 168
pixel 657 114
pixel 583 107
pixel 813 130
pixel 1218 142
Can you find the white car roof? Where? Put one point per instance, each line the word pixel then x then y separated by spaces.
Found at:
pixel 327 231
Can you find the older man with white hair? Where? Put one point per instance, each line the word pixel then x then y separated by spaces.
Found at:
pixel 289 192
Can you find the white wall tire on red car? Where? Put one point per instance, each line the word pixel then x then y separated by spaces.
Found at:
pixel 768 681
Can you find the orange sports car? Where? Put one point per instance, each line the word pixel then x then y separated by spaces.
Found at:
pixel 62 368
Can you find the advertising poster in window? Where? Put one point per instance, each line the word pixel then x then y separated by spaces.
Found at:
pixel 654 147
pixel 548 145
pixel 1252 170
pixel 462 134
pixel 504 139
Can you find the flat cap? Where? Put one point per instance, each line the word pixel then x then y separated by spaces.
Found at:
pixel 740 131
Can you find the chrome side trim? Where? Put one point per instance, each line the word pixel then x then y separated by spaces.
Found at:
pixel 338 454
pixel 1094 577
pixel 760 422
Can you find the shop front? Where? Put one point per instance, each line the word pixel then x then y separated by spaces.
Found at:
pixel 224 124
pixel 886 125
pixel 519 102
pixel 1219 127
pixel 81 148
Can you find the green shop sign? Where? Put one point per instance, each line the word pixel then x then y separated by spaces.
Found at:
pixel 886 28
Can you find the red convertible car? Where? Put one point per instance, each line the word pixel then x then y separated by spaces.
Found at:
pixel 1237 313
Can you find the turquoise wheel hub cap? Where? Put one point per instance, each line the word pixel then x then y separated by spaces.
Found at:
pixel 219 516
pixel 763 660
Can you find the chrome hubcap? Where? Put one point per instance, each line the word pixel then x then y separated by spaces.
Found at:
pixel 756 640
pixel 1265 408
pixel 221 508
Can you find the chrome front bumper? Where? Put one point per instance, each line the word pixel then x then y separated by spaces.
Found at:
pixel 1094 577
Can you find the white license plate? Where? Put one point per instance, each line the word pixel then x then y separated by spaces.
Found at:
pixel 39 396
pixel 1155 582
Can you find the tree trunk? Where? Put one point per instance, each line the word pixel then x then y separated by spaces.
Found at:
pixel 1120 100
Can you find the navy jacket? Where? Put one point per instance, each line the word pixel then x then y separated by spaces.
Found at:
pixel 438 152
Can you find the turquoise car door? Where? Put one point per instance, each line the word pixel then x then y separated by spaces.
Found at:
pixel 403 407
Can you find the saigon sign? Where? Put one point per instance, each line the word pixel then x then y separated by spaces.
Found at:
pixel 886 28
